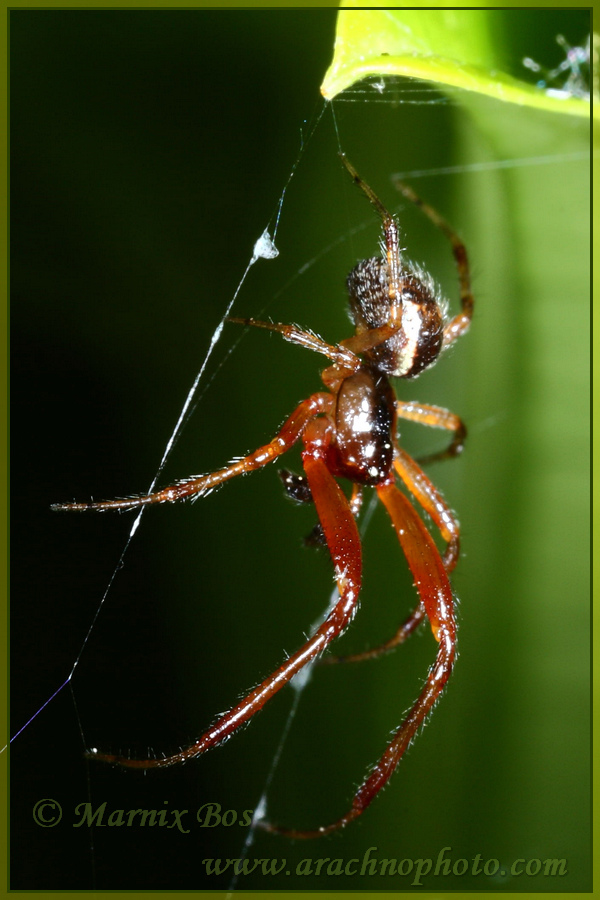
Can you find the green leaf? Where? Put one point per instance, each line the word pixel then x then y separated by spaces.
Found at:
pixel 453 48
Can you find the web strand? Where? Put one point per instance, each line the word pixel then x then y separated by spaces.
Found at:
pixel 264 248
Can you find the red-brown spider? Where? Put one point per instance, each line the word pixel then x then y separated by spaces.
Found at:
pixel 349 431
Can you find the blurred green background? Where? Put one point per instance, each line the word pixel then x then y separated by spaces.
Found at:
pixel 148 152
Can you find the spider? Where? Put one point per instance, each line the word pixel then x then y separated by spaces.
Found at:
pixel 349 432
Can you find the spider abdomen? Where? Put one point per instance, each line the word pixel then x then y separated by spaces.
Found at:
pixel 365 417
pixel 419 341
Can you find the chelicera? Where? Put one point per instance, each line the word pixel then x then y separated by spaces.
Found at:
pixel 348 432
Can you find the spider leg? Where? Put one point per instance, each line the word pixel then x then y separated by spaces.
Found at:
pixel 344 545
pixel 432 502
pixel 285 438
pixel 340 356
pixel 373 337
pixel 435 592
pixel 410 624
pixel 460 323
pixel 392 244
pixel 436 417
pixel 316 538
pixel 296 487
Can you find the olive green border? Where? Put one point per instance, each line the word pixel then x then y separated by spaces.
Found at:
pixel 4 459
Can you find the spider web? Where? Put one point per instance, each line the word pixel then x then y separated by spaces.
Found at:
pixel 264 248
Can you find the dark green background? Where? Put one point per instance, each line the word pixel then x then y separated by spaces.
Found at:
pixel 148 152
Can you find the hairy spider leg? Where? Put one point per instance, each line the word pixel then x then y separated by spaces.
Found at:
pixel 344 545
pixel 410 624
pixel 356 499
pixel 431 581
pixel 367 340
pixel 340 355
pixel 460 323
pixel 422 488
pixel 432 502
pixel 392 244
pixel 285 438
pixel 436 417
